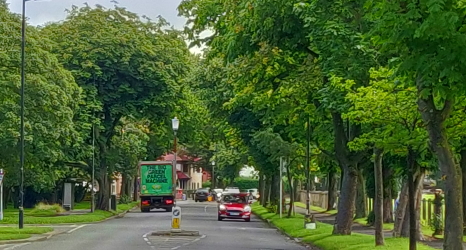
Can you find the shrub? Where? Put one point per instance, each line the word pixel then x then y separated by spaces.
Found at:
pixel 245 183
pixel 125 199
pixel 206 184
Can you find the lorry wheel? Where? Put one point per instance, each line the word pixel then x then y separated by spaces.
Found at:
pixel 170 209
pixel 145 210
pixel 219 218
pixel 196 200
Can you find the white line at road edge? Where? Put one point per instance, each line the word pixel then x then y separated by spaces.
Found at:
pixel 205 209
pixel 16 246
pixel 76 228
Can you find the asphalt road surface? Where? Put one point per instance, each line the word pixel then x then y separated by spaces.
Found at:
pixel 133 232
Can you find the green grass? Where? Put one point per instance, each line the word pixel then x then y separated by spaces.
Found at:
pixel 14 233
pixel 322 236
pixel 33 216
pixel 317 209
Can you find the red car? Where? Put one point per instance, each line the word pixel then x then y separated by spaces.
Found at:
pixel 234 206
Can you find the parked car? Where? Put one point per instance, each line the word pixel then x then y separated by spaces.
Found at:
pixel 234 206
pixel 201 194
pixel 232 190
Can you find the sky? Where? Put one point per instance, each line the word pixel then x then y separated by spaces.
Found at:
pixel 41 11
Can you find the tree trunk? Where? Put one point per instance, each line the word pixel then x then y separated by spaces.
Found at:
pixel 290 182
pixel 267 185
pixel 403 225
pixel 261 187
pixel 332 190
pixel 420 184
pixel 412 199
pixel 387 195
pixel 401 210
pixel 124 184
pixel 451 172
pixel 312 182
pixel 136 188
pixel 463 171
pixel 275 190
pixel 349 166
pixel 297 189
pixel 344 218
pixel 378 200
pixel 361 201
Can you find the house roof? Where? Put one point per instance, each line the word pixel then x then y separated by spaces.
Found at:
pixel 182 176
pixel 171 157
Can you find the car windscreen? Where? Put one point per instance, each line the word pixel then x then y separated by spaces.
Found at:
pixel 234 199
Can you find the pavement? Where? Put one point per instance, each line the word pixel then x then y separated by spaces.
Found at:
pixel 134 231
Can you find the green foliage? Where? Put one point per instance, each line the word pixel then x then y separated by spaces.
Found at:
pixel 125 199
pixel 245 183
pixel 206 184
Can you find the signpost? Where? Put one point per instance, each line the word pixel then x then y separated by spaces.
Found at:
pixel 1 194
pixel 176 219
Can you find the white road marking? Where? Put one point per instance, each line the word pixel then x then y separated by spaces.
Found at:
pixel 146 239
pixel 76 228
pixel 16 246
pixel 205 209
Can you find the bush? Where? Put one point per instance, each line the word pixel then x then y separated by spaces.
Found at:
pixel 206 184
pixel 125 199
pixel 43 209
pixel 245 183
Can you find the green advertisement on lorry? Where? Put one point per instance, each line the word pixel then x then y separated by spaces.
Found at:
pixel 157 179
pixel 156 188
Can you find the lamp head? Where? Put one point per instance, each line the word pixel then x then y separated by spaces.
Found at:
pixel 175 124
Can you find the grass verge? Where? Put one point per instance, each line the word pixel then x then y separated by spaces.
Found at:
pixel 14 233
pixel 317 209
pixel 322 236
pixel 37 216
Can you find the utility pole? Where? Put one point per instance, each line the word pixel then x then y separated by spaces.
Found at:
pixel 281 186
pixel 93 170
pixel 23 82
pixel 308 166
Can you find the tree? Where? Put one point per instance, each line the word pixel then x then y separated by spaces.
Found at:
pixel 52 97
pixel 434 61
pixel 129 66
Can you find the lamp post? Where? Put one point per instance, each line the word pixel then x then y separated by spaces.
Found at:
pixel 93 170
pixel 175 125
pixel 23 80
pixel 213 175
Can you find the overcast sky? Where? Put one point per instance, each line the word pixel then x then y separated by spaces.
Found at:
pixel 42 11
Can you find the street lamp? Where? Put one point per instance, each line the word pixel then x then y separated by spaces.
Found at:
pixel 93 170
pixel 21 154
pixel 213 174
pixel 175 125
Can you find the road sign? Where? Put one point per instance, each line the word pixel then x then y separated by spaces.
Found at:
pixel 176 219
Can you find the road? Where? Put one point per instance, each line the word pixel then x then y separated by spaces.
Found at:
pixel 131 232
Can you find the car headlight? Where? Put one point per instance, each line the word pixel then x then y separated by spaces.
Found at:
pixel 247 209
pixel 222 207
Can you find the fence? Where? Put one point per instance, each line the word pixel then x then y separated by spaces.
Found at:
pixel 320 199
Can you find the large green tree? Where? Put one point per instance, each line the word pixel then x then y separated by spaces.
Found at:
pixel 128 65
pixel 51 99
pixel 428 39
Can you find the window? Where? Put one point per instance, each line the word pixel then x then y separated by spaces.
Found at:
pixel 185 168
